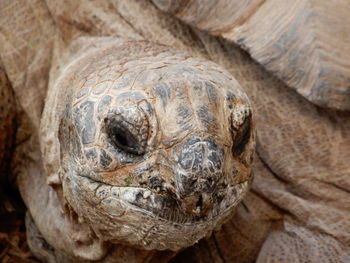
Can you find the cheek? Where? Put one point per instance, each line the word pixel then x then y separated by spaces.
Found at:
pixel 70 144
pixel 92 157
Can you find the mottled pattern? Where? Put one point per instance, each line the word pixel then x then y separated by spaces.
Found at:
pixel 298 208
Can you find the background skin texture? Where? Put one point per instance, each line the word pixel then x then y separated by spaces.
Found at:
pixel 298 209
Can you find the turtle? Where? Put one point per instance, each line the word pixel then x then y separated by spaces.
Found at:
pixel 138 145
pixel 297 209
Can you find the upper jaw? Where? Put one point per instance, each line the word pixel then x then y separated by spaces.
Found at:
pixel 164 205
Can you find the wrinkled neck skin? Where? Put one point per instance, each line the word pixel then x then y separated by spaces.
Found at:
pixel 144 147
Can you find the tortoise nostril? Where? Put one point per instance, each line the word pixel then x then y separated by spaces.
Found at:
pixel 199 202
pixel 196 204
pixel 192 184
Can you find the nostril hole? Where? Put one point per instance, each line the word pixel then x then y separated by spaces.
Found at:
pixel 193 183
pixel 199 202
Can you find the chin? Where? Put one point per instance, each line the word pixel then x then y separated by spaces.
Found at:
pixel 144 218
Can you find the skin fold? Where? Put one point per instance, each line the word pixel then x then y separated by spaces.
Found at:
pixel 298 207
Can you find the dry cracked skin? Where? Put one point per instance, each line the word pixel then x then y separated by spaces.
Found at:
pixel 135 136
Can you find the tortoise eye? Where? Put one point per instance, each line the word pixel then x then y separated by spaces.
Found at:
pixel 240 128
pixel 125 140
pixel 122 138
pixel 242 137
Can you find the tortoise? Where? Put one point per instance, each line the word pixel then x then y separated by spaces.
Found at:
pixel 298 207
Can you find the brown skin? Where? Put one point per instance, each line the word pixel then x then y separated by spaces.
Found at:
pixel 303 42
pixel 298 207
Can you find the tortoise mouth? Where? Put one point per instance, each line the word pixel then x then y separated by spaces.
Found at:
pixel 143 218
pixel 116 199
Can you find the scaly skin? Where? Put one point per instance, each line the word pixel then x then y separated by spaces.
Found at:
pixel 297 210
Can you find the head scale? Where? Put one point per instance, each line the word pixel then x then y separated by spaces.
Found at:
pixel 156 146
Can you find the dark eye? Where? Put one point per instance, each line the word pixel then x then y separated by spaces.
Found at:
pixel 242 137
pixel 125 140
pixel 122 137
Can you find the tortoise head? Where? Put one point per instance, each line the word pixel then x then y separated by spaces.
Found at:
pixel 156 146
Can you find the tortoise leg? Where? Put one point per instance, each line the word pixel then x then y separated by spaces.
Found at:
pixel 37 243
pixel 297 244
pixel 40 247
